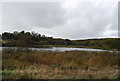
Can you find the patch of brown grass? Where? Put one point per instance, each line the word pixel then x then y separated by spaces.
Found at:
pixel 39 64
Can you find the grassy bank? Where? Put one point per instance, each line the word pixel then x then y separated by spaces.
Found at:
pixel 66 65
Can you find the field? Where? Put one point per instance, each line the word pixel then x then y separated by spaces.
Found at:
pixel 27 64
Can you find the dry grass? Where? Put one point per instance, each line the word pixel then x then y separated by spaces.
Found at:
pixel 46 64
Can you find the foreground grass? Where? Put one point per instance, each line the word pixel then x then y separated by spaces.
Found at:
pixel 27 64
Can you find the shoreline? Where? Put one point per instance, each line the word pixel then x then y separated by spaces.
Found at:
pixel 50 47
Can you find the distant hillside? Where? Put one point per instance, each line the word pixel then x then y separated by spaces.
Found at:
pixel 32 39
pixel 104 43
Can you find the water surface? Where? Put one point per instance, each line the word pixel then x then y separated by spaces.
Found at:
pixel 62 49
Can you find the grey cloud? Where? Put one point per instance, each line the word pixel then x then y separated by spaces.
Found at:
pixel 43 14
pixel 81 20
pixel 90 20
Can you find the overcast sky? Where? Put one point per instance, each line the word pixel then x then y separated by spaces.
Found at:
pixel 70 19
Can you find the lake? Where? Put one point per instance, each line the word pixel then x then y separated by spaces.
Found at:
pixel 62 49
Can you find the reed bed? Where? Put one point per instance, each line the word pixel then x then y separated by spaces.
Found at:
pixel 28 64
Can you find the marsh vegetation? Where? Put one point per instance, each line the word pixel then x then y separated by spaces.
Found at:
pixel 28 64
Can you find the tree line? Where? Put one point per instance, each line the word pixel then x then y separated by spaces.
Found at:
pixel 32 39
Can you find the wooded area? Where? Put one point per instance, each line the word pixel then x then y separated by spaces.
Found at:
pixel 32 39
